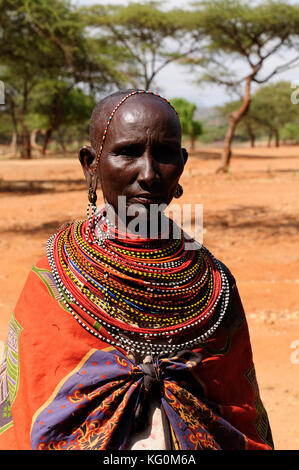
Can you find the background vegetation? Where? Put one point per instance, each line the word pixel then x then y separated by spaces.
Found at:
pixel 57 60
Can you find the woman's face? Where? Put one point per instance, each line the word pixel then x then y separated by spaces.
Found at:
pixel 142 157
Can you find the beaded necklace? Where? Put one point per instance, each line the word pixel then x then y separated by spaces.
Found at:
pixel 150 296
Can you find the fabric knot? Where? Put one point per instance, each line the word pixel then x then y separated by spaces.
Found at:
pixel 151 380
pixel 152 392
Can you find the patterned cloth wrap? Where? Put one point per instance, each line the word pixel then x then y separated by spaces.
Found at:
pixel 62 388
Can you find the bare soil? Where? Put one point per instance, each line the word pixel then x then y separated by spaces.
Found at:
pixel 250 223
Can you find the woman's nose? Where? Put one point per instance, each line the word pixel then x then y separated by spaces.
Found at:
pixel 148 173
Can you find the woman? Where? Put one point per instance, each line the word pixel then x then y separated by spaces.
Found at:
pixel 121 340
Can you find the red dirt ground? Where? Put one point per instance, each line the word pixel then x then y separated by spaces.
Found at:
pixel 250 223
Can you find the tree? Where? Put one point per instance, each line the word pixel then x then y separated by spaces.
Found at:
pixel 44 43
pixel 36 39
pixel 248 35
pixel 190 126
pixel 247 126
pixel 71 116
pixel 149 37
pixel 290 132
pixel 270 110
pixel 7 134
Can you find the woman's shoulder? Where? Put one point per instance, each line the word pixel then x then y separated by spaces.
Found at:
pixel 222 267
pixel 42 263
pixel 39 280
pixel 227 271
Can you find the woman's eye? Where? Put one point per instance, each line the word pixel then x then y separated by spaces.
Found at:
pixel 129 152
pixel 164 153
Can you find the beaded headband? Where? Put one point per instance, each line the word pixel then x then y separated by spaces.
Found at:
pixel 136 92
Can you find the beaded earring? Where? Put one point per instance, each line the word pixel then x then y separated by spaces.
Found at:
pixel 96 219
pixel 179 191
pixel 92 212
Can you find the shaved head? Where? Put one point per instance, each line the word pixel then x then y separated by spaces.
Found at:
pixel 103 109
pixel 101 113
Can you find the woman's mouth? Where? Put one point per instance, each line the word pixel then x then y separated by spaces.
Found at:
pixel 146 198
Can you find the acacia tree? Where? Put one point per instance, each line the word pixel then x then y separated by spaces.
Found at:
pixel 150 37
pixel 72 111
pixel 272 109
pixel 44 42
pixel 36 39
pixel 97 71
pixel 247 36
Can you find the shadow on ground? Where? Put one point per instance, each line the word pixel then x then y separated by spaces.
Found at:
pixel 41 186
pixel 252 219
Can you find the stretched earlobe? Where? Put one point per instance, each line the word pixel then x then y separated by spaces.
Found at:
pixel 185 155
pixel 178 191
pixel 87 157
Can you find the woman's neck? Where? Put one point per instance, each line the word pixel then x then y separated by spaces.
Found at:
pixel 143 226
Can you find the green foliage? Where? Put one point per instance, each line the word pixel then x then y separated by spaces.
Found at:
pixel 245 28
pixel 149 37
pixel 186 110
pixel 212 134
pixel 71 104
pixel 234 30
pixel 45 53
pixel 61 111
pixel 290 131
pixel 272 106
pixel 6 128
pixel 46 32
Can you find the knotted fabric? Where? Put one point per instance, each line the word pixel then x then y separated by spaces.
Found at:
pixel 96 407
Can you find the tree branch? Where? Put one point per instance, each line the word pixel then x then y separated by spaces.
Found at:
pixel 279 69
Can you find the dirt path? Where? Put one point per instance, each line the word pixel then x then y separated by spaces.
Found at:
pixel 250 223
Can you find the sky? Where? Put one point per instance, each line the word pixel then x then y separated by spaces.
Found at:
pixel 177 81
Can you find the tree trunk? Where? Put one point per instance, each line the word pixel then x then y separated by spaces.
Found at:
pixel 33 143
pixel 276 135
pixel 13 143
pixel 251 136
pixel 53 121
pixel 26 144
pixel 62 145
pixel 234 119
pixel 61 141
pixel 26 147
pixel 14 139
pixel 269 138
pixel 47 139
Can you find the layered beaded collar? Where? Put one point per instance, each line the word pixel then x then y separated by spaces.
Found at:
pixel 146 296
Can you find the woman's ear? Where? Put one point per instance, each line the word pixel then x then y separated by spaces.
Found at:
pixel 87 157
pixel 185 155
